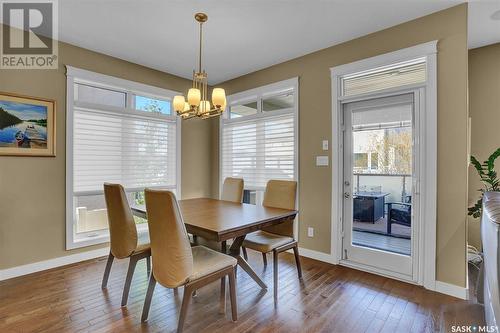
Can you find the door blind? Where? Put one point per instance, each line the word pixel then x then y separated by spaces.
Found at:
pixel 259 149
pixel 131 150
pixel 384 78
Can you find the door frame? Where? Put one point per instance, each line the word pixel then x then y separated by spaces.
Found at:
pixel 395 259
pixel 427 136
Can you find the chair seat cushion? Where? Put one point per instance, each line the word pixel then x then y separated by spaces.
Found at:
pixel 207 261
pixel 263 241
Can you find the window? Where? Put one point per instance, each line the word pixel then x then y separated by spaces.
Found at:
pixel 153 105
pixel 279 102
pixel 260 145
pixel 87 93
pixel 241 110
pixel 360 161
pixel 395 75
pixel 111 139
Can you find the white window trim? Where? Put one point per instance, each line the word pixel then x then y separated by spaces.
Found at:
pixel 257 94
pixel 427 242
pixel 131 89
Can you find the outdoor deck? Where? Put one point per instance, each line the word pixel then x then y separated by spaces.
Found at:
pixel 382 242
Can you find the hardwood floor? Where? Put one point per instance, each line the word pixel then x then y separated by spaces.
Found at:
pixel 328 299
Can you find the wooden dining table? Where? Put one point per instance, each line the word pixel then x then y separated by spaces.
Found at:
pixel 219 221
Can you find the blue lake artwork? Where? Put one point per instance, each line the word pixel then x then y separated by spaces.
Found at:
pixel 23 125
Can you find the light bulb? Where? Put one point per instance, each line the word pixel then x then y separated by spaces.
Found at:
pixel 218 97
pixel 204 106
pixel 194 97
pixel 178 103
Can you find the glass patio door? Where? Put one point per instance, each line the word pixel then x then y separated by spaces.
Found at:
pixel 379 205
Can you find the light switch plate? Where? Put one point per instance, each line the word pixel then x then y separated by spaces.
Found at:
pixel 321 160
pixel 325 145
pixel 310 232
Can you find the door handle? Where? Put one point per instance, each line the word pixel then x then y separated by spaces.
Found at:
pixel 347 195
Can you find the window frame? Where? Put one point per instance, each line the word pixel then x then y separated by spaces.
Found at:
pixel 131 89
pixel 259 94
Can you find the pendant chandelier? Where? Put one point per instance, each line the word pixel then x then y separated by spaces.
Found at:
pixel 197 104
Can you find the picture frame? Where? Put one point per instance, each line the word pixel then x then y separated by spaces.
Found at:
pixel 27 125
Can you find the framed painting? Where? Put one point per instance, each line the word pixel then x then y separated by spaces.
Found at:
pixel 27 126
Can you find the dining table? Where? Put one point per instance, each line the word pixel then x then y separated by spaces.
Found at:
pixel 220 221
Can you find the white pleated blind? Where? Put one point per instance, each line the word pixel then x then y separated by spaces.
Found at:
pixel 398 75
pixel 128 149
pixel 258 150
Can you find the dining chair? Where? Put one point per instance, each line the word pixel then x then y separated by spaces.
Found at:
pixel 175 262
pixel 232 190
pixel 276 238
pixel 124 240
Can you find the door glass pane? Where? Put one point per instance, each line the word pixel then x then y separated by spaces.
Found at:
pixel 382 154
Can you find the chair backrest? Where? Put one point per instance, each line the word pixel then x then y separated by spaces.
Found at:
pixel 170 248
pixel 280 194
pixel 232 189
pixel 122 230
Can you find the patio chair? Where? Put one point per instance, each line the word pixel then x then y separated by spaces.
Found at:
pixel 399 213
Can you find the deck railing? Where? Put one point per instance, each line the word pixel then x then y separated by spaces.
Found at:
pixel 399 186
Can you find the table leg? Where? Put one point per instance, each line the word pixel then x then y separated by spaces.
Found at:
pixel 222 303
pixel 234 250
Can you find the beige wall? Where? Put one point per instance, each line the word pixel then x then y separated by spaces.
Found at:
pixel 484 99
pixel 32 195
pixel 450 28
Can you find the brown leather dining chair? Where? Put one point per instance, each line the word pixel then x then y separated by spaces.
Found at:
pixel 175 262
pixel 124 240
pixel 277 238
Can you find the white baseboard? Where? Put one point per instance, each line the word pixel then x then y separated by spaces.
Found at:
pixel 316 255
pixel 13 272
pixel 441 287
pixel 452 290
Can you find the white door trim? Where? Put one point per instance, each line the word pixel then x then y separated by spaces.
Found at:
pixel 428 144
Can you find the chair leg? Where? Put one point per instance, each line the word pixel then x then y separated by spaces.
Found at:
pixel 275 274
pixel 149 297
pixel 107 270
pixel 128 280
pixel 245 255
pixel 297 260
pixel 264 258
pixel 232 292
pixel 148 265
pixel 184 307
pixel 222 300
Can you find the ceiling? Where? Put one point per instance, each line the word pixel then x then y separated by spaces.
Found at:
pixel 242 36
pixel 483 30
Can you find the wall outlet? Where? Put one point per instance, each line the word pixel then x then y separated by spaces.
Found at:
pixel 321 160
pixel 325 145
pixel 310 232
